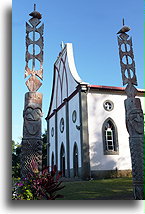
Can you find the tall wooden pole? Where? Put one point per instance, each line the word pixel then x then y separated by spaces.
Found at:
pixel 31 154
pixel 133 111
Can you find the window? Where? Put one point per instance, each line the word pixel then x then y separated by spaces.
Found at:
pixel 61 125
pixel 110 138
pixel 52 161
pixel 74 116
pixel 62 160
pixel 52 132
pixel 75 160
pixel 108 105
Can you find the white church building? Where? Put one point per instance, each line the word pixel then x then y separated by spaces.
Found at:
pixel 87 136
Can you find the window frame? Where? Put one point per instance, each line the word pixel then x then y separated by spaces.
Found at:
pixel 75 164
pixel 114 139
pixel 61 125
pixel 109 142
pixel 111 104
pixel 62 160
pixel 52 161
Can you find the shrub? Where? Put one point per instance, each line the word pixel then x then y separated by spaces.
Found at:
pixel 38 185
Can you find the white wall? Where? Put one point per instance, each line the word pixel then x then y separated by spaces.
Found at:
pixel 74 133
pixel 52 139
pixel 61 136
pixel 66 78
pixel 96 117
pixel 65 81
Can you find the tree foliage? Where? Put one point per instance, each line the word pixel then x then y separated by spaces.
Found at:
pixel 44 149
pixel 16 151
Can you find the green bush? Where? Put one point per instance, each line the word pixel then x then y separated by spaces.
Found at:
pixel 38 186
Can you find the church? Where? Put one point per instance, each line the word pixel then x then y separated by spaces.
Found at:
pixel 87 136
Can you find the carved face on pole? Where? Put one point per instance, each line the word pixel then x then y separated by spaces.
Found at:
pixel 32 118
pixel 32 114
pixel 134 117
pixel 135 121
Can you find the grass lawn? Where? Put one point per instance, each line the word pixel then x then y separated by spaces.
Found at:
pixel 105 189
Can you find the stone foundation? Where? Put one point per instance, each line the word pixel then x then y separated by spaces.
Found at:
pixel 99 174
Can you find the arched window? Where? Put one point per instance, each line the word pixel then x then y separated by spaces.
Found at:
pixel 52 161
pixel 62 160
pixel 110 138
pixel 75 160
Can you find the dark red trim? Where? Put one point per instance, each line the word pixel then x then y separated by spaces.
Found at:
pixel 48 117
pixel 64 101
pixel 74 93
pixel 107 87
pixel 112 88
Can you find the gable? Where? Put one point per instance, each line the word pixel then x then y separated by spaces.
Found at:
pixel 65 78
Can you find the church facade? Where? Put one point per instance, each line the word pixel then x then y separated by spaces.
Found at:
pixel 87 136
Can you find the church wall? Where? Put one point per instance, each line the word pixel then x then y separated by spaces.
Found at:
pixel 74 129
pixel 72 84
pixel 70 93
pixel 54 97
pixel 96 116
pixel 61 136
pixel 66 78
pixel 52 139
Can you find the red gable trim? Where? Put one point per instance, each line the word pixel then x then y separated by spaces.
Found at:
pixel 112 88
pixel 106 87
pixel 64 101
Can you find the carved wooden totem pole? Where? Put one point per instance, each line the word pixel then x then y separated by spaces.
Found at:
pixel 133 110
pixel 32 143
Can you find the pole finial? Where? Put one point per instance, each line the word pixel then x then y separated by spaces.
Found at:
pixel 123 21
pixel 34 7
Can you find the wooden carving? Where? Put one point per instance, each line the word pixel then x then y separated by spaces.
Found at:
pixel 33 83
pixel 31 141
pixel 133 110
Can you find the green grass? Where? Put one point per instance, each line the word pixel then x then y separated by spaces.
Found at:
pixel 105 189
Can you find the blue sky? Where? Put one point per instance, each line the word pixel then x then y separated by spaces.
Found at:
pixel 91 26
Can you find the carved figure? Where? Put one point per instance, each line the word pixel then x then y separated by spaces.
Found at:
pixel 33 83
pixel 134 117
pixel 32 121
pixel 133 111
pixel 32 142
pixel 124 29
pixel 31 151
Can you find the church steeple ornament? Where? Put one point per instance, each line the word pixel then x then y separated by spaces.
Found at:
pixel 133 111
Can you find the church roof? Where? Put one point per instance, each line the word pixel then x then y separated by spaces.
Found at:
pixel 112 88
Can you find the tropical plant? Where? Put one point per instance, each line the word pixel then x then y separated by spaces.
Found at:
pixel 38 185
